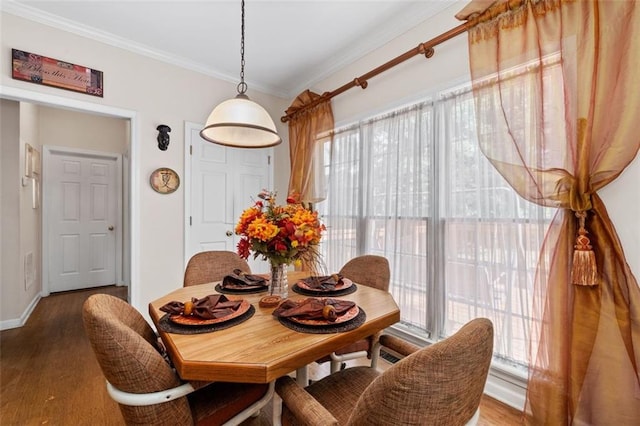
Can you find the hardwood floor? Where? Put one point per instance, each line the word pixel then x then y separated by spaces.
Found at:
pixel 49 375
pixel 48 371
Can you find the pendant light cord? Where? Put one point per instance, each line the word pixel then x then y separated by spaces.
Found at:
pixel 240 122
pixel 242 86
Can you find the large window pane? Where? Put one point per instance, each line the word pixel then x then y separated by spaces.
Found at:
pixel 414 187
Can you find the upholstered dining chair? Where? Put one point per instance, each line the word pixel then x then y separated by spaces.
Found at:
pixel 146 387
pixel 209 266
pixel 372 271
pixel 441 384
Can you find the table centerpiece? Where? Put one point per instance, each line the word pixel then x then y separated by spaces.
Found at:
pixel 281 234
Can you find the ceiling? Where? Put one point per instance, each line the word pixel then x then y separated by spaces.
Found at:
pixel 289 45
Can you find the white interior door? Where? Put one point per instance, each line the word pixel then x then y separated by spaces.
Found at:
pixel 224 181
pixel 82 219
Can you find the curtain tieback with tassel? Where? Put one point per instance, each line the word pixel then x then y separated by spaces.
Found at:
pixel 584 270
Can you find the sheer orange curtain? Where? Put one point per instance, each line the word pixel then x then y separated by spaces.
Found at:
pixel 557 90
pixel 306 131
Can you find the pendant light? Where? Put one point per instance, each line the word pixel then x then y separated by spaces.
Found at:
pixel 240 122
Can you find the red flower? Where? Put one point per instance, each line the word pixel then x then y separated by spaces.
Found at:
pixel 244 247
pixel 280 246
pixel 290 228
pixel 293 198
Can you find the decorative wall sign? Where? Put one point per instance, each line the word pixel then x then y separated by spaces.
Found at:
pixel 53 72
pixel 164 180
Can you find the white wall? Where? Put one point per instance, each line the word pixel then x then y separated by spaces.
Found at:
pixel 20 221
pixel 72 129
pixel 447 68
pixel 158 93
pixel 30 235
pixel 10 208
pixel 622 198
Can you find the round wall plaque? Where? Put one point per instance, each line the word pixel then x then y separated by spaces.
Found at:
pixel 164 180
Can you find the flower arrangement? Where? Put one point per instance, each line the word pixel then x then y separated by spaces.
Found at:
pixel 282 234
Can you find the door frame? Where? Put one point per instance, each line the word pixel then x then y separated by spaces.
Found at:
pixel 21 95
pixel 48 152
pixel 188 127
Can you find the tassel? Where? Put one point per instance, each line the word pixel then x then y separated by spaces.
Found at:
pixel 584 270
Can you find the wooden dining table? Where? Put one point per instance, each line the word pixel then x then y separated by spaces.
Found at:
pixel 261 349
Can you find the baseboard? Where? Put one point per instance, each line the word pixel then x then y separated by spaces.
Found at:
pixel 506 387
pixel 19 322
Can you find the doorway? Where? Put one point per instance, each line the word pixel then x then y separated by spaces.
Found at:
pixel 131 165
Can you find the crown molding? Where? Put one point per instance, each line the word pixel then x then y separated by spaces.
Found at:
pixel 36 15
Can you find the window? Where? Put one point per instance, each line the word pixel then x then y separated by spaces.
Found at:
pixel 413 186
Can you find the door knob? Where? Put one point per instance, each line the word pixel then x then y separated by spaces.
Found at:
pixel 110 228
pixel 229 233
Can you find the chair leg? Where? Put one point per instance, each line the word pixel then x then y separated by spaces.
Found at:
pixel 302 376
pixel 375 355
pixel 277 410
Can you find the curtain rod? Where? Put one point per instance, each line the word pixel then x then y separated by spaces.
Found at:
pixel 425 49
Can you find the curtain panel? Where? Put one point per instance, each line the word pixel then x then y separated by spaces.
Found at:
pixel 307 131
pixel 557 93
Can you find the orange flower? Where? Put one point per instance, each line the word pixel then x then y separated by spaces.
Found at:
pixel 247 216
pixel 261 229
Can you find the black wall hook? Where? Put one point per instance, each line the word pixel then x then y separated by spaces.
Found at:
pixel 163 136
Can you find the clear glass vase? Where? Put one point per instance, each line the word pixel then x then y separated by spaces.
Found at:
pixel 279 285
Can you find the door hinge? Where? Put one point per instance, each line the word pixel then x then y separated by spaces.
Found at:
pixel 190 149
pixel 190 220
pixel 268 160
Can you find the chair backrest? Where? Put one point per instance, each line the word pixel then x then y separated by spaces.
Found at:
pixel 441 384
pixel 127 350
pixel 209 266
pixel 370 270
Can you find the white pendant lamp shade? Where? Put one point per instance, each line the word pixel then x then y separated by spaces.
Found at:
pixel 240 123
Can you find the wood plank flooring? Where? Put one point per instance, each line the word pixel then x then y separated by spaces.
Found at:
pixel 49 375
